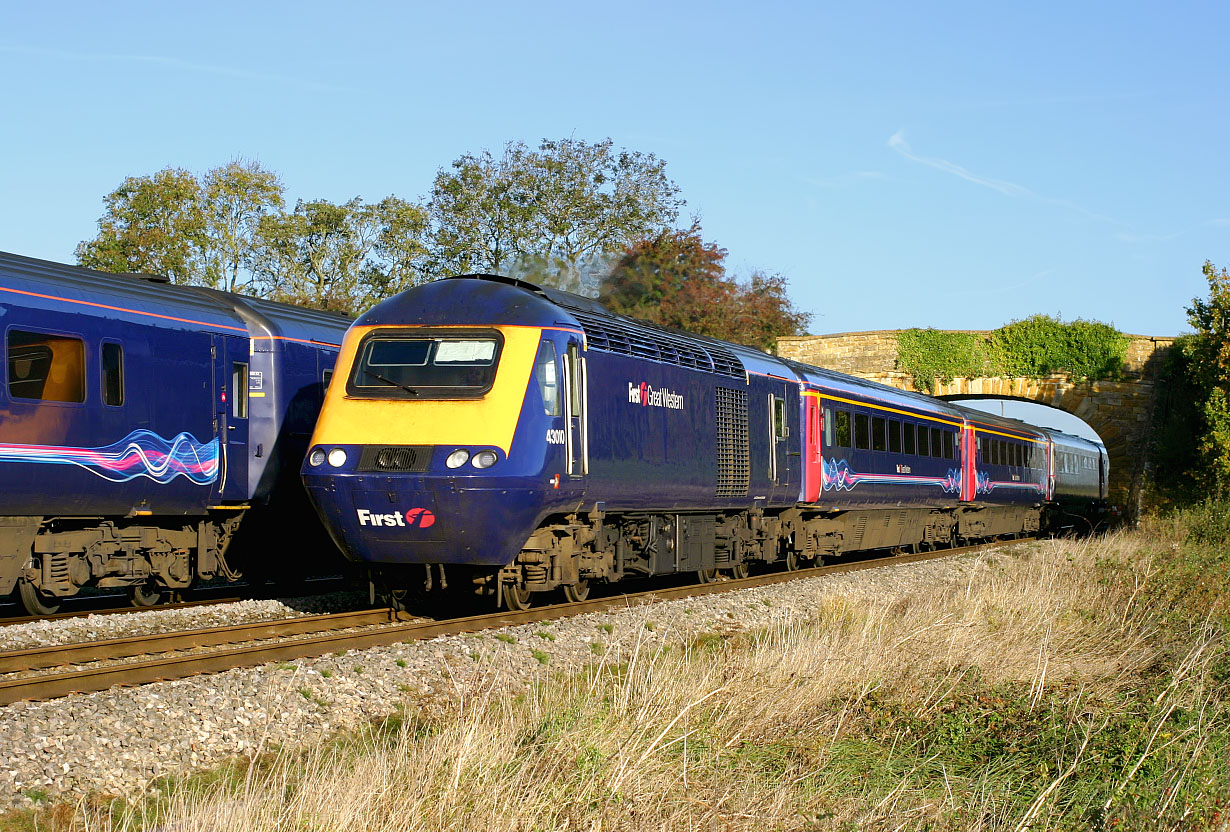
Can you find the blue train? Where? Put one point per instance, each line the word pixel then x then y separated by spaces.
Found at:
pixel 488 434
pixel 145 428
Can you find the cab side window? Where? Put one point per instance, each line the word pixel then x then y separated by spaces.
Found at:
pixel 546 373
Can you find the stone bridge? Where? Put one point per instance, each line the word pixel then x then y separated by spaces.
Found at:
pixel 1120 411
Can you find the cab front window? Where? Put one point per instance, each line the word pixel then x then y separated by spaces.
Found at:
pixel 420 365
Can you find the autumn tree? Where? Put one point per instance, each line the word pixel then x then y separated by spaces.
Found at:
pixel 340 257
pixel 556 211
pixel 677 280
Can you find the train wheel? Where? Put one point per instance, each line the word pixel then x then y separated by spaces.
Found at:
pixel 144 595
pixel 576 592
pixel 36 601
pixel 739 570
pixel 707 576
pixel 516 598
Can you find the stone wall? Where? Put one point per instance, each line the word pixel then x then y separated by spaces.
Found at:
pixel 1120 411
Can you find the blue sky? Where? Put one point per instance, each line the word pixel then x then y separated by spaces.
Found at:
pixel 955 165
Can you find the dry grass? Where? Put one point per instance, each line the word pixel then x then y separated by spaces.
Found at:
pixel 1036 692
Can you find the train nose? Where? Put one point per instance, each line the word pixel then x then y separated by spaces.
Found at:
pixel 427 519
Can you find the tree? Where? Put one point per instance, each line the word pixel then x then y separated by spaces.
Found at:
pixel 234 198
pixel 1208 360
pixel 193 231
pixel 678 280
pixel 153 224
pixel 341 258
pixel 554 210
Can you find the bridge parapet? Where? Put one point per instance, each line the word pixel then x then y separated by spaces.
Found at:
pixel 1121 410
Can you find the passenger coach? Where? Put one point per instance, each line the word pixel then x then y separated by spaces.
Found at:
pixel 142 423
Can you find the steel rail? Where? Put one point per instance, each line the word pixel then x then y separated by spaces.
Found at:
pixel 178 667
pixel 60 655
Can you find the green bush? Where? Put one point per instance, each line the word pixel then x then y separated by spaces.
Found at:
pixel 1034 347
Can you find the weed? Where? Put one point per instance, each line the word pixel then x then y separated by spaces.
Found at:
pixel 507 638
pixel 547 636
pixel 606 628
pixel 540 656
pixel 597 648
pixel 400 662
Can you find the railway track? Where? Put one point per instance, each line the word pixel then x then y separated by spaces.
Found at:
pixel 379 629
pixel 325 585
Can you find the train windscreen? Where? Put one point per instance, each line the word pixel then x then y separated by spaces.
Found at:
pixel 435 367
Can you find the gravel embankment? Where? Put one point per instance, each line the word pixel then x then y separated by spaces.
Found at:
pixel 118 741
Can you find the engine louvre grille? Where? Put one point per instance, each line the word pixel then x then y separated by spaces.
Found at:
pixel 412 459
pixel 626 337
pixel 733 455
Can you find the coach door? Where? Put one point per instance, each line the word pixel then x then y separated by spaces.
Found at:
pixel 781 404
pixel 231 400
pixel 576 409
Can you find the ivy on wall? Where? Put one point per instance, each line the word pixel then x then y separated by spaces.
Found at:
pixel 1037 346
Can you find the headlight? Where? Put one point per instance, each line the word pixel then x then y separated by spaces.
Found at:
pixel 484 459
pixel 317 457
pixel 337 457
pixel 457 458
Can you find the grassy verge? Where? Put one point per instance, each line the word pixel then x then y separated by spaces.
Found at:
pixel 1083 685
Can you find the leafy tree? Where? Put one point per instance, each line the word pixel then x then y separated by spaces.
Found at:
pixel 193 231
pixel 153 224
pixel 343 257
pixel 678 280
pixel 234 198
pixel 553 210
pixel 1208 360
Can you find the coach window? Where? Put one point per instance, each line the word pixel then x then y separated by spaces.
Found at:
pixel 239 390
pixel 547 374
pixel 113 374
pixel 843 429
pixel 828 427
pixel 924 440
pixel 907 434
pixel 894 436
pixel 878 439
pixel 49 368
pixel 862 432
pixel 937 443
pixel 949 449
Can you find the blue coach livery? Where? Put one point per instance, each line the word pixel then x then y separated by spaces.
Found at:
pixel 492 435
pixel 144 427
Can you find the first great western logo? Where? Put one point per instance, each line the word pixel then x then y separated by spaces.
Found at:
pixel 648 396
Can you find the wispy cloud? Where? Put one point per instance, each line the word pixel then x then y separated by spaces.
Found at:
pixel 171 63
pixel 898 143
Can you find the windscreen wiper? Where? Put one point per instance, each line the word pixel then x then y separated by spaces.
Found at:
pixel 379 377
